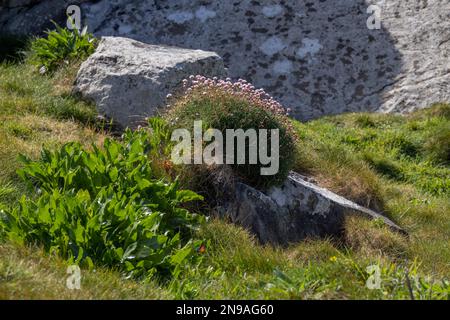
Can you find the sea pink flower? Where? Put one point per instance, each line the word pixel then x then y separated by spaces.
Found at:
pixel 241 88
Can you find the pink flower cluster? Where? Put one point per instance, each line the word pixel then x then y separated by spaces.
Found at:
pixel 241 88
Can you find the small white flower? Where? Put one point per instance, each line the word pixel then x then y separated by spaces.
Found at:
pixel 42 70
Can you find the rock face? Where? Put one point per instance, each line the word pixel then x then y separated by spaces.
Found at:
pixel 297 210
pixel 317 57
pixel 32 16
pixel 129 80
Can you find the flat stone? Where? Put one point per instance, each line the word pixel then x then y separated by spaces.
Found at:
pixel 297 210
pixel 129 80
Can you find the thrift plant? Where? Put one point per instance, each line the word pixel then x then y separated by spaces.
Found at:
pixel 222 105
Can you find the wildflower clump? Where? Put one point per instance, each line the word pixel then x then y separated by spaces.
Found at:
pixel 224 104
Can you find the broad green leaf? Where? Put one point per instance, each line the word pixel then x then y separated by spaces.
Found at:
pixel 188 195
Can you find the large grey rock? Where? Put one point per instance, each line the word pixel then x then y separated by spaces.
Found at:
pixel 317 57
pixel 293 212
pixel 129 80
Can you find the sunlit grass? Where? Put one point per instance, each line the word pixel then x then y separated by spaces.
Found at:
pixel 392 163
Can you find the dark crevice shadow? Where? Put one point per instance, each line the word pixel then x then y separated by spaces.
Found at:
pixel 12 48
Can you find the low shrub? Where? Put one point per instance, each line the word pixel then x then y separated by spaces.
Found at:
pixel 106 207
pixel 222 105
pixel 60 47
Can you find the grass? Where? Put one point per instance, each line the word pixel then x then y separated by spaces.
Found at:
pixel 404 149
pixel 23 91
pixel 38 111
pixel 27 273
pixel 386 162
pixel 395 164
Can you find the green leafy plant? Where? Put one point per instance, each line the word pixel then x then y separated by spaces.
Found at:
pixel 60 47
pixel 106 207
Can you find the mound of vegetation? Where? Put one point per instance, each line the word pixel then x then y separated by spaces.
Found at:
pixel 225 105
